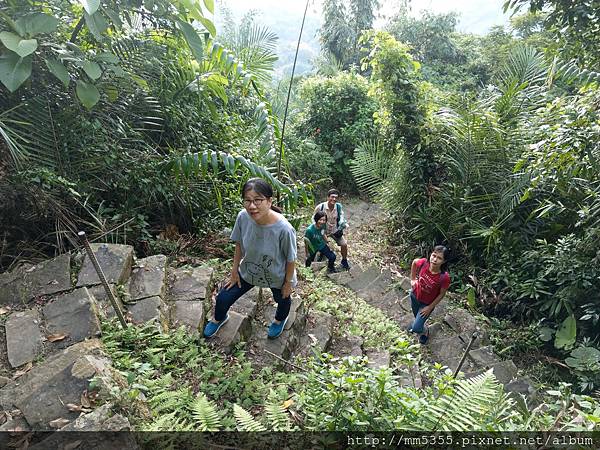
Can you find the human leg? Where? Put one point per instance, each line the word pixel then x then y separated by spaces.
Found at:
pixel 281 315
pixel 227 297
pixel 310 259
pixel 326 251
pixel 418 324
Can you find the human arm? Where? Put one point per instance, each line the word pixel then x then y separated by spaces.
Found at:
pixel 234 278
pixel 425 311
pixel 286 289
pixel 413 273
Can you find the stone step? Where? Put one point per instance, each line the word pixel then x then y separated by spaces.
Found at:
pixel 378 358
pixel 378 287
pixel 504 371
pixel 105 308
pixel 289 339
pixel 347 346
pixel 151 309
pixel 148 278
pixel 318 334
pixel 365 278
pixel 247 304
pixel 463 323
pixel 410 376
pixel 189 314
pixel 237 329
pixel 74 314
pixel 29 281
pixel 42 393
pixel 484 357
pixel 115 260
pixel 187 284
pixel 344 277
pixel 23 337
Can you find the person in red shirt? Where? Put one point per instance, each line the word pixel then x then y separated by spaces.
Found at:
pixel 429 281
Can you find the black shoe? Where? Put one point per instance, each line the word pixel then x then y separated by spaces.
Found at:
pixel 332 270
pixel 345 264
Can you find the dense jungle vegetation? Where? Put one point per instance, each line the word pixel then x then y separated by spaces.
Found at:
pixel 137 120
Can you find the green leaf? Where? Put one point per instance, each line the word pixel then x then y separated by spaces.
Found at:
pixel 14 42
pixel 210 5
pixel 96 24
pixel 114 16
pixel 90 6
pixel 57 69
pixel 566 334
pixel 194 41
pixel 87 93
pixel 92 70
pixel 471 297
pixel 37 23
pixel 14 70
pixel 107 57
pixel 208 25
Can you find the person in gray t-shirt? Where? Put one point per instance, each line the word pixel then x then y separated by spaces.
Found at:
pixel 265 252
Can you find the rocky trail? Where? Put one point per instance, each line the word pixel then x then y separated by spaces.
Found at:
pixel 51 313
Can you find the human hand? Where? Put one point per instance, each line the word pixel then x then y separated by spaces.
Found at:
pixel 234 279
pixel 413 284
pixel 286 289
pixel 426 310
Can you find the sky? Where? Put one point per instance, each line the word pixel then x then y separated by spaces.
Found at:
pixel 476 16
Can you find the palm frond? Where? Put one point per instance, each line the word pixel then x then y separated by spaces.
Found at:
pixel 371 166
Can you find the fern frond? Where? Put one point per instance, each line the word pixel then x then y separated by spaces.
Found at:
pixel 171 400
pixel 205 413
pixel 245 421
pixel 277 415
pixel 475 402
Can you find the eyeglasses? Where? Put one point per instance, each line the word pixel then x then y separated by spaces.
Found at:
pixel 256 201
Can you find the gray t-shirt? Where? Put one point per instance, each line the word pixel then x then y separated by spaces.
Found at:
pixel 265 250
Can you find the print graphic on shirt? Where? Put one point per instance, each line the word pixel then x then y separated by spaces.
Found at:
pixel 428 285
pixel 259 273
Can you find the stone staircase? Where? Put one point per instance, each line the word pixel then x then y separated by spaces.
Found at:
pixel 52 313
pixel 450 330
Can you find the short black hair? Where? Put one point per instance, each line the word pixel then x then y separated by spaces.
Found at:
pixel 318 216
pixel 332 192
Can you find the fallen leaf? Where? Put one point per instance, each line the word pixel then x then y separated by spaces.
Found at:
pixel 287 403
pixel 71 445
pixel 85 401
pixel 58 423
pixel 56 337
pixel 73 407
pixel 4 310
pixel 26 368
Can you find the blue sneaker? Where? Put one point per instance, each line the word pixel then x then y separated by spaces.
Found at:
pixel 211 328
pixel 424 338
pixel 275 329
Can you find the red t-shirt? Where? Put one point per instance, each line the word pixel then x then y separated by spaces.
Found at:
pixel 429 284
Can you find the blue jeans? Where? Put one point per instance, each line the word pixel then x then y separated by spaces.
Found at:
pixel 326 252
pixel 418 326
pixel 227 297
